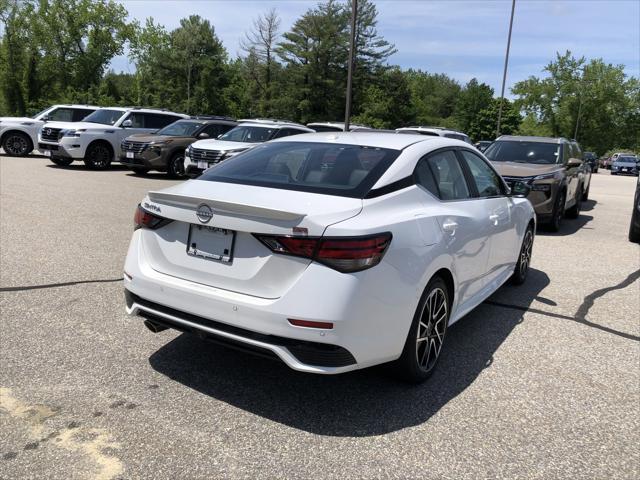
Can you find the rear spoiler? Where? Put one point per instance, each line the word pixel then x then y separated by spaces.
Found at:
pixel 220 207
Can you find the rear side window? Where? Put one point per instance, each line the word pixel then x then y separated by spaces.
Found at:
pixel 156 120
pixel 285 132
pixel 330 169
pixel 485 178
pixel 214 130
pixel 61 115
pixel 440 174
pixel 79 114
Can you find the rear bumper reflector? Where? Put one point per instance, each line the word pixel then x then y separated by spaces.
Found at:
pixel 311 324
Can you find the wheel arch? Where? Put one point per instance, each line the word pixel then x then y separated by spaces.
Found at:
pixel 103 142
pixel 18 130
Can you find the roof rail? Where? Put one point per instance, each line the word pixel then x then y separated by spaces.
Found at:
pixel 274 120
pixel 212 117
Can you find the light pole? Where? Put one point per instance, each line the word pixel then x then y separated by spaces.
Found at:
pixel 352 47
pixel 504 74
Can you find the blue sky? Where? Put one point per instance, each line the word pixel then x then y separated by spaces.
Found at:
pixel 462 38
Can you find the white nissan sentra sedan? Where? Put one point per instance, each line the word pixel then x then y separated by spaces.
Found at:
pixel 330 251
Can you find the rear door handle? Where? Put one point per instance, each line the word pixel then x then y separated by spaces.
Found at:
pixel 450 227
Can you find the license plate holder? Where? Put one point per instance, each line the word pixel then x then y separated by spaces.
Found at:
pixel 211 243
pixel 202 164
pixel 129 155
pixel 46 153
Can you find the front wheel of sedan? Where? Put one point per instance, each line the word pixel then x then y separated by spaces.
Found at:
pixel 426 336
pixel 524 259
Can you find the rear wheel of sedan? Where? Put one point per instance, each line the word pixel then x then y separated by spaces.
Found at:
pixel 17 144
pixel 98 156
pixel 175 168
pixel 426 336
pixel 524 259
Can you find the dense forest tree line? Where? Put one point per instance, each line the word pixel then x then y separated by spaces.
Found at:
pixel 54 51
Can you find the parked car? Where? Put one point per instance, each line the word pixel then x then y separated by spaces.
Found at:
pixel 552 167
pixel 483 144
pixel 330 253
pixel 19 135
pixel 164 150
pixel 584 171
pixel 625 165
pixel 97 139
pixel 612 159
pixel 592 159
pixel 334 127
pixel 634 226
pixel 206 153
pixel 436 132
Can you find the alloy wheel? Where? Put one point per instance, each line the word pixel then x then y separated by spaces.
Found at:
pixel 177 166
pixel 525 253
pixel 100 156
pixel 16 145
pixel 431 329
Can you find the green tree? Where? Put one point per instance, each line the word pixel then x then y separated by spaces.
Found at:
pixel 484 125
pixel 387 103
pixel 595 96
pixel 433 96
pixel 471 100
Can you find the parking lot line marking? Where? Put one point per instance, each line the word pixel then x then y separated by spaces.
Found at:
pixel 55 285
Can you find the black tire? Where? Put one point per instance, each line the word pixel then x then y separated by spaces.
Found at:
pixel 524 258
pixel 99 156
pixel 175 167
pixel 558 213
pixel 634 231
pixel 416 364
pixel 17 144
pixel 585 194
pixel 140 170
pixel 62 162
pixel 574 212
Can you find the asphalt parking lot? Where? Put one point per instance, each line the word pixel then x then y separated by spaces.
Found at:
pixel 541 381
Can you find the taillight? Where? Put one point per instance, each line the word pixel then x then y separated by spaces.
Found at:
pixel 146 219
pixel 345 254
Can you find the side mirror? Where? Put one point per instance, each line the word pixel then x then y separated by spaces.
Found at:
pixel 203 135
pixel 127 123
pixel 574 162
pixel 519 189
pixel 45 118
pixel 220 135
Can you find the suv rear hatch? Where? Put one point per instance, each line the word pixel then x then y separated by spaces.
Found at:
pixel 189 246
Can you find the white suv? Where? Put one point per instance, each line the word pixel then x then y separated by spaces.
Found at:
pixel 19 135
pixel 436 132
pixel 206 153
pixel 97 139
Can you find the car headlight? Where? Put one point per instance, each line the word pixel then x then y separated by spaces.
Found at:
pixel 557 175
pixel 71 133
pixel 232 153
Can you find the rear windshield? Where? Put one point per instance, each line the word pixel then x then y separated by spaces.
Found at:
pixel 326 168
pixel 523 152
pixel 104 116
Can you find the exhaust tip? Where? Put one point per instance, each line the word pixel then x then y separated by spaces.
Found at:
pixel 154 327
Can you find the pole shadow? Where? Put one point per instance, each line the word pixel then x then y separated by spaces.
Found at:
pixel 362 403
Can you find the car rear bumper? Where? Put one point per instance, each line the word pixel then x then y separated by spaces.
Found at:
pixel 370 317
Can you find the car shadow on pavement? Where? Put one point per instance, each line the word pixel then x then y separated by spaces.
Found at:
pixel 82 166
pixel 154 176
pixel 362 403
pixel 567 227
pixel 588 205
